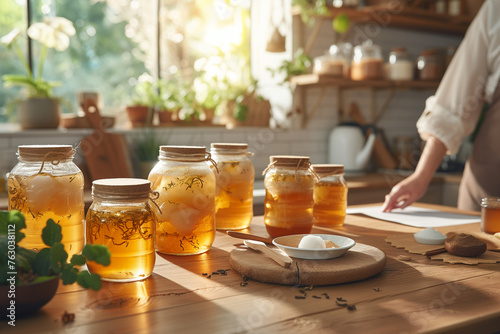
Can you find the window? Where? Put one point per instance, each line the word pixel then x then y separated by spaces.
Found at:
pixel 205 42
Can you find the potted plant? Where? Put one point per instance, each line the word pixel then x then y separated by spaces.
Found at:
pixel 172 93
pixel 29 279
pixel 39 108
pixel 145 100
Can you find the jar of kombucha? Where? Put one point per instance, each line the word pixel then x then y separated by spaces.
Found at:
pixel 330 195
pixel 288 205
pixel 186 204
pixel 234 186
pixel 490 215
pixel 46 184
pixel 121 218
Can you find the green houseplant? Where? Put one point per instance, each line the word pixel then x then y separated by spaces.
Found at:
pixel 38 108
pixel 29 279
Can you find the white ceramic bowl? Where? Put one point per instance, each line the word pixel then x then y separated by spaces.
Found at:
pixel 426 238
pixel 289 244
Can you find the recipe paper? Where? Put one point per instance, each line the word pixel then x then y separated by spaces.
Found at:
pixel 416 216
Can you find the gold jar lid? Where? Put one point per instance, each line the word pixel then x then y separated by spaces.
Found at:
pixel 228 148
pixel 121 188
pixel 328 169
pixel 45 152
pixel 181 153
pixel 289 161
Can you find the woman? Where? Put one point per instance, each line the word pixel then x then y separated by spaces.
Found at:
pixel 452 114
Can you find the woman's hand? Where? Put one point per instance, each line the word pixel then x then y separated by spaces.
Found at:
pixel 405 193
pixel 413 187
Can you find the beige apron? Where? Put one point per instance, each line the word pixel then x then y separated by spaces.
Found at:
pixel 481 175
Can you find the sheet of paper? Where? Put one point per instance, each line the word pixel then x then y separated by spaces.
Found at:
pixel 416 216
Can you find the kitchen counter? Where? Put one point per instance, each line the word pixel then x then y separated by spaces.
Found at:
pixel 419 295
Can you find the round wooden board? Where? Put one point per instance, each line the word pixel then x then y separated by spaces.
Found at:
pixel 360 262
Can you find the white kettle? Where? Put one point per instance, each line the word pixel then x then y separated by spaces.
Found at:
pixel 348 147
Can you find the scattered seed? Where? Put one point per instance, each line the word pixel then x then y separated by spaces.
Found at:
pixel 209 276
pixel 351 307
pixel 326 295
pixel 340 299
pixel 300 297
pixel 317 297
pixel 404 258
pixel 67 317
pixel 376 289
pixel 204 274
pixel 340 304
pixel 243 283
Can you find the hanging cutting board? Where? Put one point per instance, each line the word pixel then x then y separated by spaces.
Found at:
pixel 107 154
pixel 360 262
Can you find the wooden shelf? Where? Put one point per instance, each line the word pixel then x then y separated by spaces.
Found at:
pixel 387 15
pixel 315 80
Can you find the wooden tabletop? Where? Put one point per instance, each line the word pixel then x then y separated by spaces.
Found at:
pixel 415 296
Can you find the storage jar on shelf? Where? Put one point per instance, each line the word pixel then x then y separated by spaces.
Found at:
pixel 400 65
pixel 367 62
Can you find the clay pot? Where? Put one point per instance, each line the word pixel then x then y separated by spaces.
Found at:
pixel 39 113
pixel 140 116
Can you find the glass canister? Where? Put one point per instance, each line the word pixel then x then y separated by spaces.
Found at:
pixel 367 62
pixel 330 195
pixel 429 65
pixel 490 215
pixel 234 186
pixel 46 184
pixel 186 186
pixel 288 204
pixel 332 64
pixel 400 65
pixel 121 218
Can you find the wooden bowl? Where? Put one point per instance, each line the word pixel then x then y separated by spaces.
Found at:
pixel 28 298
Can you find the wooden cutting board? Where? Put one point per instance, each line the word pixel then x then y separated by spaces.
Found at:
pixel 106 154
pixel 360 262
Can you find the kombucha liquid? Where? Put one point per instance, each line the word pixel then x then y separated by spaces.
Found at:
pixel 41 197
pixel 329 204
pixel 186 224
pixel 288 205
pixel 129 235
pixel 490 220
pixel 234 198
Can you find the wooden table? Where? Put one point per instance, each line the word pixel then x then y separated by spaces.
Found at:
pixel 414 296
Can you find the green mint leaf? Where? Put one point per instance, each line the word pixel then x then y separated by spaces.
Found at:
pixel 58 257
pixel 41 265
pixel 78 260
pixel 88 280
pixel 97 253
pixel 12 220
pixel 69 275
pixel 51 233
pixel 24 258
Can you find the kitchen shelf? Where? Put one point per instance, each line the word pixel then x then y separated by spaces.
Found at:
pixel 303 82
pixel 315 80
pixel 393 15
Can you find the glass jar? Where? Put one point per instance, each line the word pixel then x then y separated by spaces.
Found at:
pixel 429 65
pixel 121 218
pixel 288 204
pixel 400 65
pixel 46 184
pixel 330 195
pixel 332 64
pixel 367 62
pixel 234 186
pixel 186 186
pixel 490 215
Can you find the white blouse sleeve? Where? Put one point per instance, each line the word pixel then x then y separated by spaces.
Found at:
pixel 452 113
